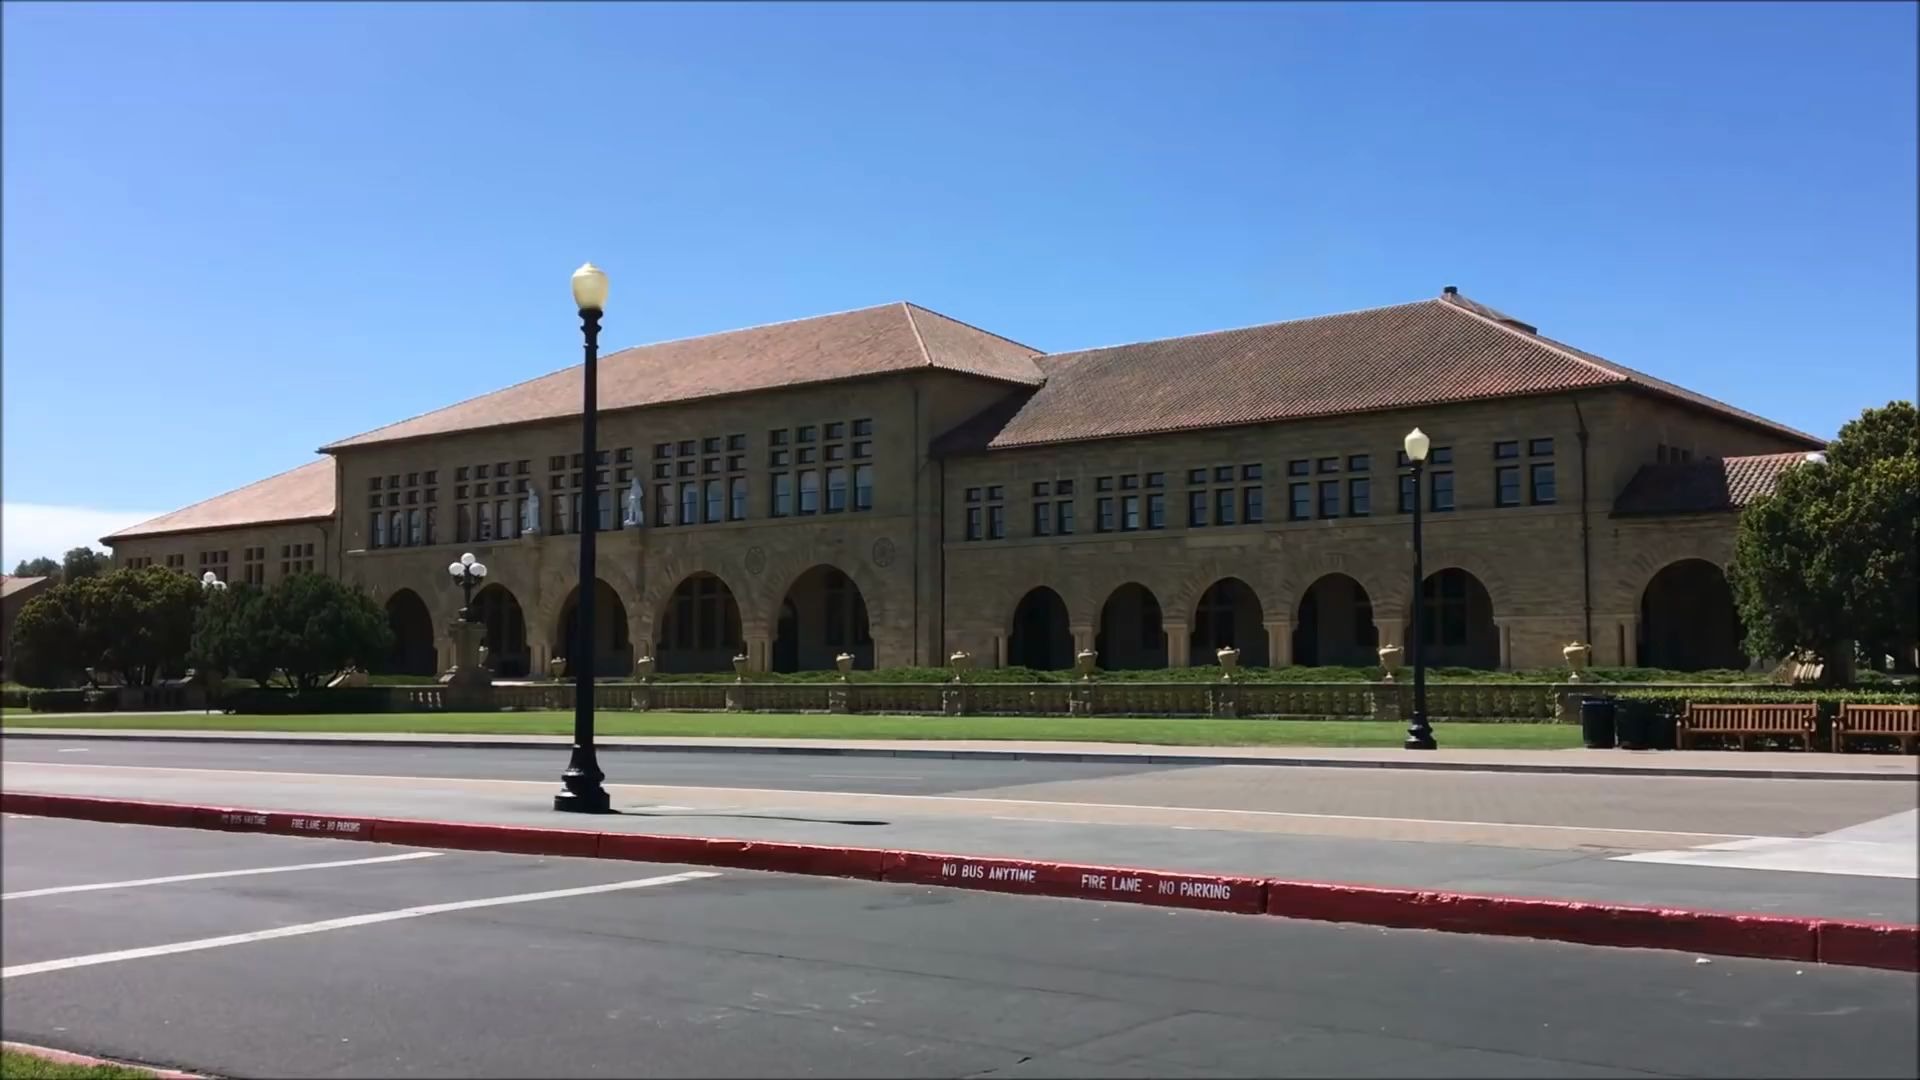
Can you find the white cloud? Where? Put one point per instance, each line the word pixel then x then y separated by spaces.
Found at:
pixel 30 530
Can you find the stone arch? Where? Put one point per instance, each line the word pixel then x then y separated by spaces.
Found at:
pixel 1688 621
pixel 1131 633
pixel 765 604
pixel 822 613
pixel 1489 576
pixel 1039 635
pixel 1459 630
pixel 413 651
pixel 498 609
pixel 1630 584
pixel 697 627
pixel 612 646
pixel 1383 587
pixel 1333 624
pixel 1228 612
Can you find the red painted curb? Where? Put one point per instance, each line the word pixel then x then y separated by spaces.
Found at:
pixel 847 862
pixel 1208 892
pixel 1766 936
pixel 1861 944
pixel 1832 941
pixel 68 1057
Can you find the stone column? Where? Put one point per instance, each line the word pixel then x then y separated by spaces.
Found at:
pixel 1083 639
pixel 1280 642
pixel 1393 631
pixel 1628 641
pixel 1179 645
pixel 1504 628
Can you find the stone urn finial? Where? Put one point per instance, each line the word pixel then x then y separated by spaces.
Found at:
pixel 1229 658
pixel 740 666
pixel 1577 655
pixel 1389 661
pixel 557 667
pixel 843 663
pixel 643 668
pixel 1083 664
pixel 960 661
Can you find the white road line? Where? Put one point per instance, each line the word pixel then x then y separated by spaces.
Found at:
pixel 217 874
pixel 72 750
pixel 338 924
pixel 255 773
pixel 860 776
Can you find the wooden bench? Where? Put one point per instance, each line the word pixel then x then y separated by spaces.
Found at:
pixel 1744 720
pixel 1893 721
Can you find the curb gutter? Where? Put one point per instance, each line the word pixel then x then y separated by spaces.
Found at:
pixel 67 1057
pixel 457 743
pixel 1894 946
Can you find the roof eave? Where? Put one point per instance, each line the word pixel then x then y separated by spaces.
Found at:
pixel 113 538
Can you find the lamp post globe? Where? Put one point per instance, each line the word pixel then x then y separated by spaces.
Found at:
pixel 581 791
pixel 466 572
pixel 1419 732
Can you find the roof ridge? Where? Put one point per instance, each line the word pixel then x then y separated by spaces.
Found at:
pixel 1544 342
pixel 1234 329
pixel 919 339
pixel 329 447
pixel 222 495
pixel 981 329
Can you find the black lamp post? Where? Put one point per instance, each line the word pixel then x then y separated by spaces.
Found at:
pixel 468 573
pixel 1419 732
pixel 583 793
pixel 211 585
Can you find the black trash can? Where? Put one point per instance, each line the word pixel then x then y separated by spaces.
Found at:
pixel 1662 727
pixel 1633 726
pixel 1596 722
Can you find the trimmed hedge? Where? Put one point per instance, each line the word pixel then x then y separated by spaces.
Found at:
pixel 279 701
pixel 78 699
pixel 1211 672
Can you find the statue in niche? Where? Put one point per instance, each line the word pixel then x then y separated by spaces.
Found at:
pixel 530 512
pixel 636 504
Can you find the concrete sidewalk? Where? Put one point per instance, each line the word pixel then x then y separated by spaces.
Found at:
pixel 1694 763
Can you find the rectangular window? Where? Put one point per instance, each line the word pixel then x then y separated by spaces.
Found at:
pixel 1041 488
pixel 777 438
pixel 736 462
pixel 996 522
pixel 622 456
pixel 782 495
pixel 1506 483
pixel 1406 493
pixel 737 442
pixel 479 472
pixel 1253 505
pixel 973 495
pixel 1544 491
pixel 807 455
pixel 416 528
pixel 804 433
pixel 1329 498
pixel 482 521
pixel 1130 482
pixel 1196 476
pixel 1299 501
pixel 1440 455
pixel 1327 464
pixel 689 503
pixel 863 487
pixel 1509 448
pixel 686 468
pixel 663 504
pixel 710 465
pixel 413 479
pixel 1359 497
pixel 716 501
pixel 1063 517
pixel 1156 480
pixel 1223 506
pixel 1359 462
pixel 1540 447
pixel 559 515
pixel 376 530
pixel 836 490
pixel 1063 487
pixel 862 448
pixel 1222 474
pixel 710 444
pixel 687 446
pixel 1042 518
pixel 835 430
pixel 862 427
pixel 973 523
pixel 503 520
pixel 995 493
pixel 1298 467
pixel 1196 509
pixel 780 459
pixel 737 499
pixel 1156 511
pixel 1103 514
pixel 579 522
pixel 431 536
pixel 1442 489
pixel 1250 472
pixel 1129 513
pixel 809 491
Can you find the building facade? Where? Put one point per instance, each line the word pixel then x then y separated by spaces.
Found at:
pixel 898 485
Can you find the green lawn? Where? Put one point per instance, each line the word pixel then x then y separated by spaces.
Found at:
pixel 1155 731
pixel 24 1066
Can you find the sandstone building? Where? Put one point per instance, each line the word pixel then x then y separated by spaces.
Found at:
pixel 897 484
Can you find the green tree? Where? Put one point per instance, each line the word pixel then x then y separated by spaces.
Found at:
pixel 84 562
pixel 325 627
pixel 1826 564
pixel 136 622
pixel 235 632
pixel 40 567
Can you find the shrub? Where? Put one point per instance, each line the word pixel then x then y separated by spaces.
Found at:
pixel 74 700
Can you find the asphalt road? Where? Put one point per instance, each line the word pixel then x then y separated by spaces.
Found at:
pixel 747 974
pixel 1671 804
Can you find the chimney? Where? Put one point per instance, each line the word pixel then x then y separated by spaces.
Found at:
pixel 1450 290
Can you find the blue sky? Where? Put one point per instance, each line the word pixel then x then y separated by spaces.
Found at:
pixel 234 232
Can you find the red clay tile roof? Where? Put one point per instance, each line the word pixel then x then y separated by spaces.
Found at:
pixel 1710 485
pixel 1449 349
pixel 871 341
pixel 12 584
pixel 300 494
